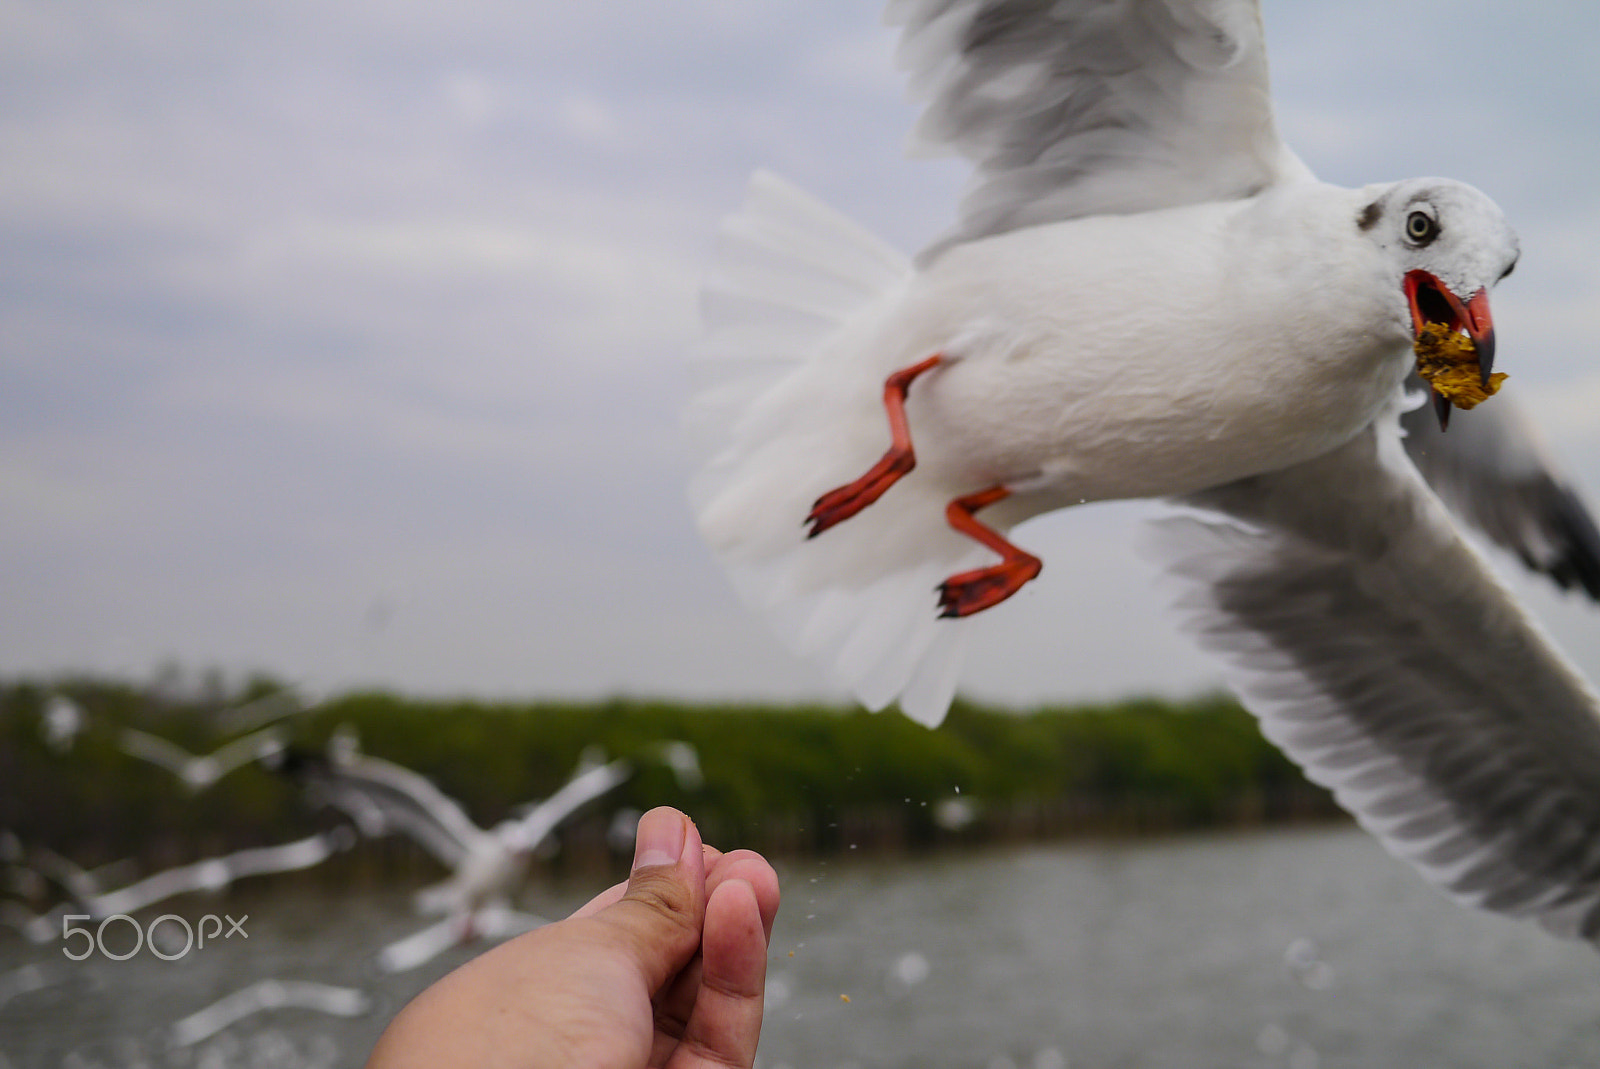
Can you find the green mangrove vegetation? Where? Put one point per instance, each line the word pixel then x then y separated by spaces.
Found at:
pixel 782 779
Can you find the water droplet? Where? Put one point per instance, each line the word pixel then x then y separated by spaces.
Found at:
pixel 1272 1040
pixel 906 972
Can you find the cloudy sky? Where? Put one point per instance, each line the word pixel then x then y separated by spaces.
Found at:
pixel 345 340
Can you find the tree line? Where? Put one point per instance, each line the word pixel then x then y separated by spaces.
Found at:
pixel 789 779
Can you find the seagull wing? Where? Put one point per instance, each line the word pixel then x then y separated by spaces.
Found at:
pixel 285 857
pixel 407 801
pixel 1081 107
pixel 534 827
pixel 155 750
pixel 421 946
pixel 1492 469
pixel 213 874
pixel 1384 657
pixel 247 748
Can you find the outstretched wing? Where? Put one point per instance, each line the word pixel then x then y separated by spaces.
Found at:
pixel 544 818
pixel 154 749
pixel 1085 107
pixel 1493 471
pixel 1385 658
pixel 373 791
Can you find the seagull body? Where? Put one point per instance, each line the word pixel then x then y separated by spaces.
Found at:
pixel 1148 295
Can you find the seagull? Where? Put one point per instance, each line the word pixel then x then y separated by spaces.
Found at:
pixel 199 772
pixel 264 995
pixel 487 865
pixel 210 875
pixel 1147 294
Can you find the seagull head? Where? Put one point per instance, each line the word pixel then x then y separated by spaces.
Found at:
pixel 1448 244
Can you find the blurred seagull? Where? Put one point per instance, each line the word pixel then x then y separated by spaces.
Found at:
pixel 1147 294
pixel 209 875
pixel 202 771
pixel 264 995
pixel 487 866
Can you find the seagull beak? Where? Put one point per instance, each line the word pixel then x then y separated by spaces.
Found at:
pixel 1431 301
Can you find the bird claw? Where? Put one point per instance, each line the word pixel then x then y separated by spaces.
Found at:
pixel 840 504
pixel 984 588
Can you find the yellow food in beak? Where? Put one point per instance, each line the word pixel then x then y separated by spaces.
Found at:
pixel 1448 360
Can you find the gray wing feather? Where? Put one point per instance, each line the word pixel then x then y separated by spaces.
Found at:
pixel 1492 470
pixel 1384 657
pixel 404 801
pixel 536 826
pixel 1084 107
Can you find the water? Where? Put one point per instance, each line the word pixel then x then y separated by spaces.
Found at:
pixel 1301 949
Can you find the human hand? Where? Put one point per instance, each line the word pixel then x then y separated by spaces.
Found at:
pixel 667 969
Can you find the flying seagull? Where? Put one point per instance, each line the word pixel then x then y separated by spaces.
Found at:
pixel 1148 295
pixel 487 865
pixel 210 875
pixel 264 996
pixel 200 771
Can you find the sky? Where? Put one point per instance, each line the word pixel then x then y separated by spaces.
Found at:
pixel 345 342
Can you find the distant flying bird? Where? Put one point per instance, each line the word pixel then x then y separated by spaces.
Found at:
pixel 266 995
pixel 1147 294
pixel 209 875
pixel 487 866
pixel 200 771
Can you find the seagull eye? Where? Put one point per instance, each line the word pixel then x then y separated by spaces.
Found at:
pixel 1421 228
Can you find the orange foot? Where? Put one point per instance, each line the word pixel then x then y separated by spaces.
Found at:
pixel 839 505
pixel 984 588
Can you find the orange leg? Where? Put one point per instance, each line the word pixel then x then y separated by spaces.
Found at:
pixel 984 588
pixel 835 506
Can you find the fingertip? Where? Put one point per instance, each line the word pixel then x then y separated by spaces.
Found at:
pixel 735 938
pixel 754 870
pixel 661 838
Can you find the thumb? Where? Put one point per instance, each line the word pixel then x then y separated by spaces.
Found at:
pixel 660 916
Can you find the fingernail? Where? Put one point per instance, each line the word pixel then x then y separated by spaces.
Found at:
pixel 660 838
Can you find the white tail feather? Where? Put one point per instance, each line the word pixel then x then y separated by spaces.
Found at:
pixel 785 409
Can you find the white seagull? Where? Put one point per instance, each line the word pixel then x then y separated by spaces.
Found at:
pixel 487 865
pixel 209 875
pixel 264 996
pixel 199 771
pixel 1147 294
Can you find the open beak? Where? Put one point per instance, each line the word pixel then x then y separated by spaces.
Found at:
pixel 1432 302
